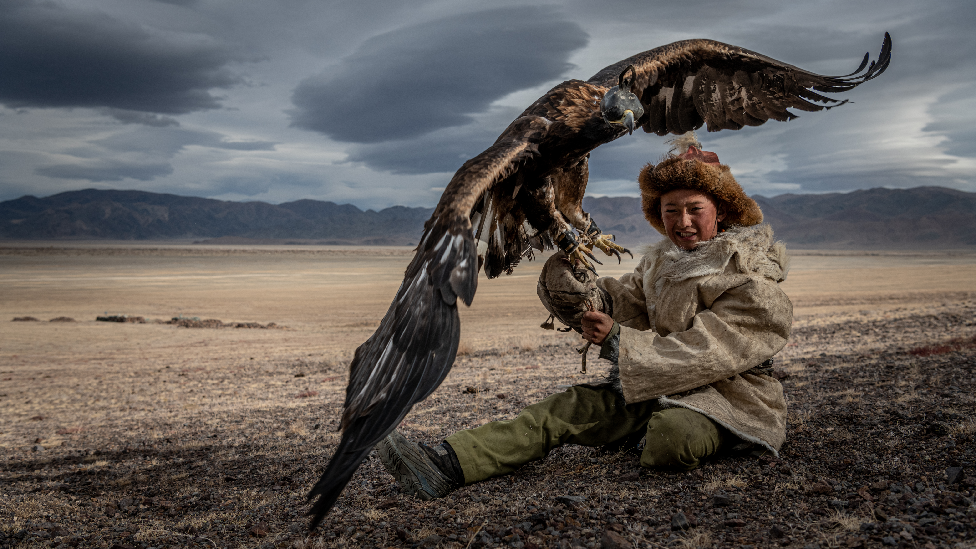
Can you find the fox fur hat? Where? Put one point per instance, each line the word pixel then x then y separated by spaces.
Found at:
pixel 698 174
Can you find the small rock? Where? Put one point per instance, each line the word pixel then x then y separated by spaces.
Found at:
pixel 432 540
pixel 613 540
pixel 679 521
pixel 470 390
pixel 570 501
pixel 632 476
pixel 954 475
pixel 37 448
pixel 259 530
pixel 820 488
pixel 501 396
pixel 735 523
pixel 721 500
pixel 776 532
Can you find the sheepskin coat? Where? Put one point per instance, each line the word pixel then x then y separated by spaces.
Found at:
pixel 693 323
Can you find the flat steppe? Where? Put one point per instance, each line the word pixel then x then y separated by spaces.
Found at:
pixel 159 435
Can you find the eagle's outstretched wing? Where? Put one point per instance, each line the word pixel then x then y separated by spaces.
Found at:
pixel 415 345
pixel 694 82
pixel 681 87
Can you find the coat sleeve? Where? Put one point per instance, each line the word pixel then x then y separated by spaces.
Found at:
pixel 745 323
pixel 627 296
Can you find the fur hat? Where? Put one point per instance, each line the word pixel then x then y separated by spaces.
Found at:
pixel 714 179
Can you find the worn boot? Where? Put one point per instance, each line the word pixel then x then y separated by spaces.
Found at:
pixel 425 472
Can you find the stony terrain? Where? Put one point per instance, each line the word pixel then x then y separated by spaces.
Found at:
pixel 881 452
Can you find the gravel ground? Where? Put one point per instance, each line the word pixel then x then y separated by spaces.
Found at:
pixel 881 452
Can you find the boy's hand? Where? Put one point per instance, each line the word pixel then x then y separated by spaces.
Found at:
pixel 596 326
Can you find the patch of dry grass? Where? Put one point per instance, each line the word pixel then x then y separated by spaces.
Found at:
pixel 845 522
pixel 721 482
pixel 695 540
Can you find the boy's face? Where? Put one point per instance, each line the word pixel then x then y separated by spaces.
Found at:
pixel 690 217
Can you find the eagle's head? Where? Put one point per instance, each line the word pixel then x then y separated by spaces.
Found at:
pixel 620 106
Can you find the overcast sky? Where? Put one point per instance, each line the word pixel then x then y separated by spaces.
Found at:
pixel 378 102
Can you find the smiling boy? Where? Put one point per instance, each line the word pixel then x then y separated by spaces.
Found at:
pixel 690 335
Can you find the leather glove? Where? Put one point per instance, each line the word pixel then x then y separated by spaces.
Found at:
pixel 567 293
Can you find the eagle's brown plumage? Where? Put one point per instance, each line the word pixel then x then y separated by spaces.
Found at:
pixel 526 190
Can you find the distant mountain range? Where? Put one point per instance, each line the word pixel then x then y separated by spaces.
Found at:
pixel 138 215
pixel 918 218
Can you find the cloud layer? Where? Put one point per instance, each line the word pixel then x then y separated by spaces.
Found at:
pixel 377 103
pixel 436 74
pixel 53 56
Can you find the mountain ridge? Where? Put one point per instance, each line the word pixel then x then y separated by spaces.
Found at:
pixel 878 218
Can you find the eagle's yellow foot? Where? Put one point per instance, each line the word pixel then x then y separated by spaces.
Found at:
pixel 576 252
pixel 605 242
pixel 580 258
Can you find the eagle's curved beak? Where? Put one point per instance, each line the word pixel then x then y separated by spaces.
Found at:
pixel 629 121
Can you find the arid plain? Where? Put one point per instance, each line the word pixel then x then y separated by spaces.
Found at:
pixel 152 435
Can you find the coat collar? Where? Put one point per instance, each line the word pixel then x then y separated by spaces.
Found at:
pixel 752 249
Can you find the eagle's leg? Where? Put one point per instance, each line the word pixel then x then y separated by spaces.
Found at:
pixel 597 239
pixel 538 201
pixel 569 185
pixel 576 250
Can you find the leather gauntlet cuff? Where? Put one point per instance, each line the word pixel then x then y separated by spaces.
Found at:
pixel 610 350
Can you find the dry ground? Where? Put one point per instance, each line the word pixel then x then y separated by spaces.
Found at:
pixel 153 435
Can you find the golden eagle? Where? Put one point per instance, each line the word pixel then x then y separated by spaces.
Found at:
pixel 526 191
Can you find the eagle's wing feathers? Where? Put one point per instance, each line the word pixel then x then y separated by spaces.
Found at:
pixel 691 83
pixel 414 347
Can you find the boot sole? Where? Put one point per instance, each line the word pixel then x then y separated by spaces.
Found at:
pixel 411 468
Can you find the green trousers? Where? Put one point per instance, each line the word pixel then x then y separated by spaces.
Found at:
pixel 588 415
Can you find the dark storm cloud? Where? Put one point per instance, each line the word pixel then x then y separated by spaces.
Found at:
pixel 955 117
pixel 440 151
pixel 435 75
pixel 624 158
pixel 52 56
pixel 107 170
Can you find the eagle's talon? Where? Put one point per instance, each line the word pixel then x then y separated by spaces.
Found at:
pixel 576 251
pixel 606 243
pixel 589 254
pixel 578 259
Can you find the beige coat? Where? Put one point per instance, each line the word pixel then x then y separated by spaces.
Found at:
pixel 693 322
